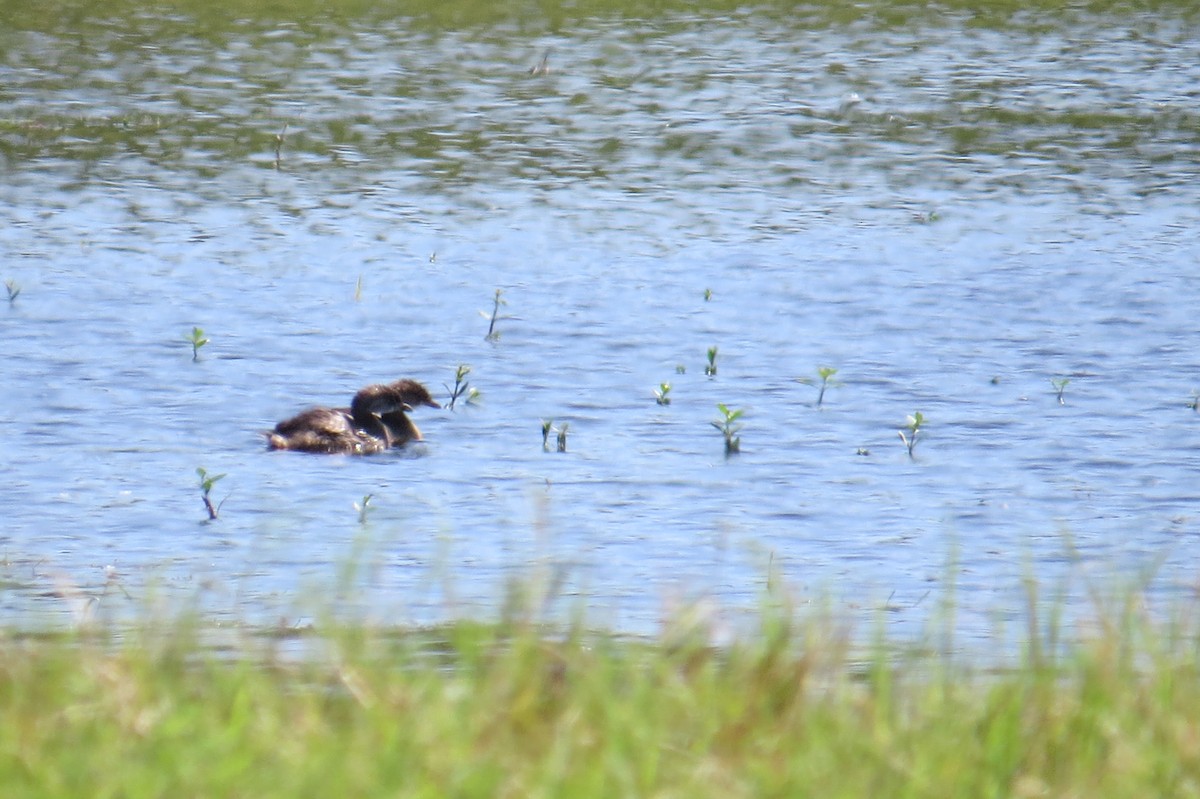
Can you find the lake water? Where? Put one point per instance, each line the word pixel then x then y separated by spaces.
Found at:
pixel 951 212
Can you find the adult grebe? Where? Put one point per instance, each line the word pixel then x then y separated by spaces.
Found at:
pixel 375 420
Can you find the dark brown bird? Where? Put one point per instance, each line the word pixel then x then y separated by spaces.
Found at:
pixel 376 420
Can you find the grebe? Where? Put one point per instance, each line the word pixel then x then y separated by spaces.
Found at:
pixel 375 420
pixel 400 428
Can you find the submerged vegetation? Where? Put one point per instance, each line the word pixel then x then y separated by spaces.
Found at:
pixel 516 708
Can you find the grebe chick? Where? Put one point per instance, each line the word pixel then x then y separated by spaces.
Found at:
pixel 357 430
pixel 400 428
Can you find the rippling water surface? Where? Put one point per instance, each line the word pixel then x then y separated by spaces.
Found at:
pixel 951 214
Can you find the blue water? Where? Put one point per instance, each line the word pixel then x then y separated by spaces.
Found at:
pixel 951 235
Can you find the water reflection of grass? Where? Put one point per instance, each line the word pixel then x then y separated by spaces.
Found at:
pixel 515 708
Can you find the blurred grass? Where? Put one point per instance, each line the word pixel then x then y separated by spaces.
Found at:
pixel 516 709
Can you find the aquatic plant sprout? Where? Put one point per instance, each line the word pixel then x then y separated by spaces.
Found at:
pixel 207 482
pixel 548 428
pixel 362 508
pixel 825 376
pixel 914 428
pixel 729 428
pixel 279 144
pixel 1060 385
pixel 197 340
pixel 461 387
pixel 497 302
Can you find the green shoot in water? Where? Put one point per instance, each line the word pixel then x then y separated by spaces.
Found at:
pixel 497 302
pixel 206 486
pixel 279 144
pixel 707 295
pixel 362 508
pixel 461 387
pixel 711 368
pixel 729 428
pixel 1195 403
pixel 542 67
pixel 358 289
pixel 825 374
pixel 548 428
pixel 914 428
pixel 14 290
pixel 662 394
pixel 197 340
pixel 1060 385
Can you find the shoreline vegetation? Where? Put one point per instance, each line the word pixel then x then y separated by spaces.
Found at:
pixel 479 12
pixel 522 707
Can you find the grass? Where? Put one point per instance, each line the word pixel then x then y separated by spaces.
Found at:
pixel 515 709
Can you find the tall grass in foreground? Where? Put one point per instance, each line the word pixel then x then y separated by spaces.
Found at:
pixel 512 709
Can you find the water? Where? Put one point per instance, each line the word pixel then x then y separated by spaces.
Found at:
pixel 951 215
